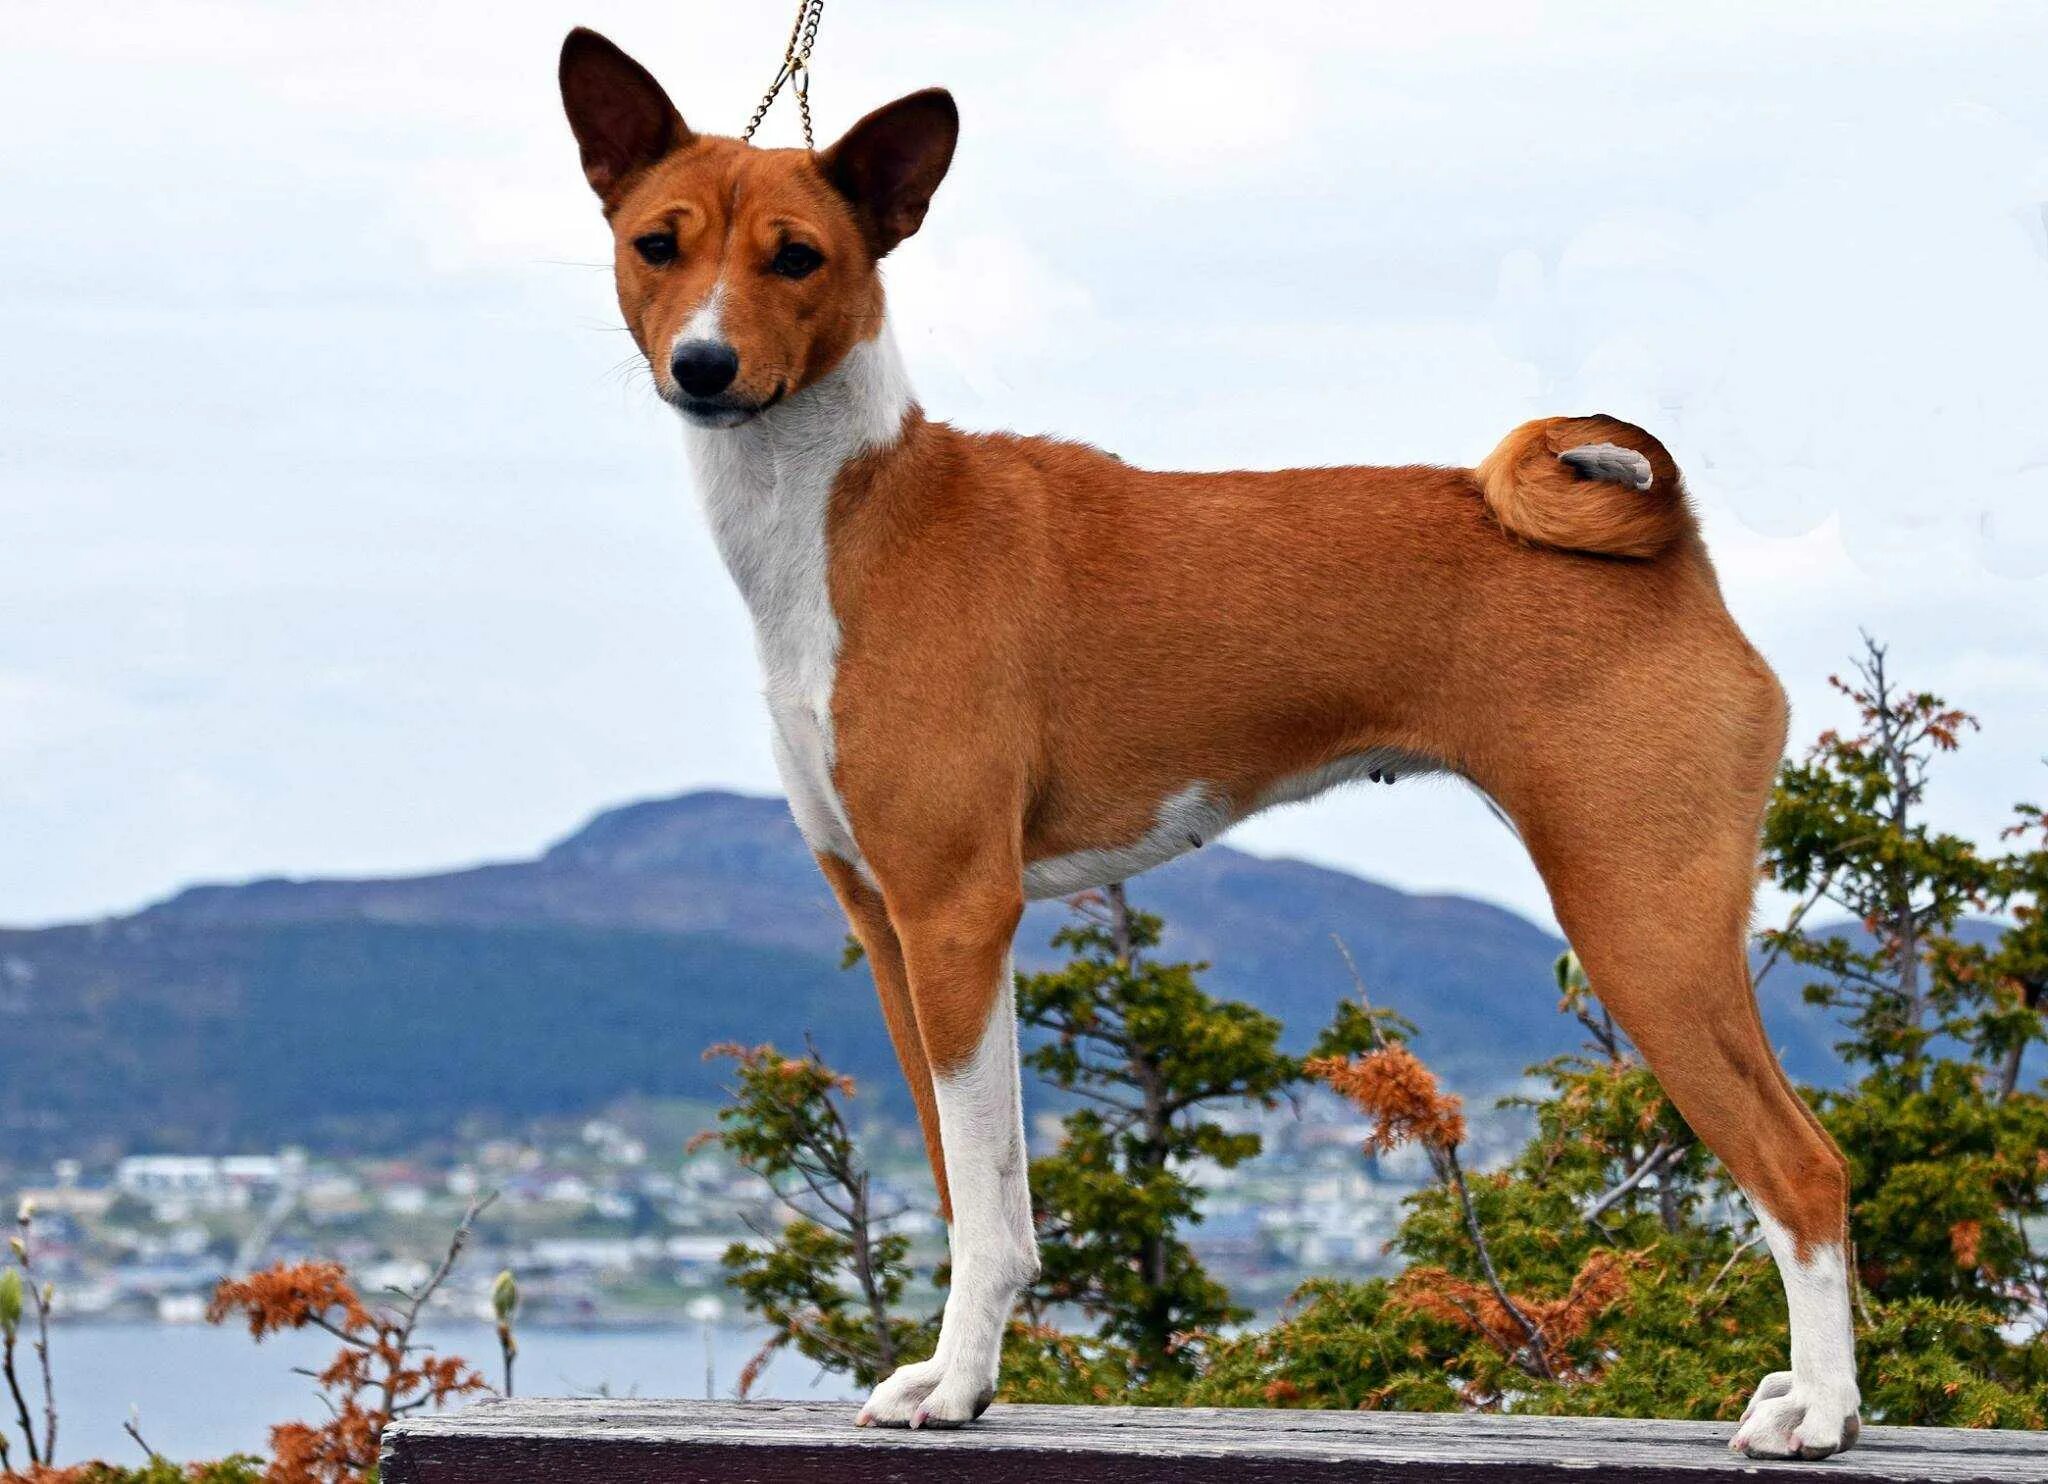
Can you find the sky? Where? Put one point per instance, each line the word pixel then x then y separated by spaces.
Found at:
pixel 339 533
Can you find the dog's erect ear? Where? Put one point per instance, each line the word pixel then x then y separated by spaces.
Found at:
pixel 622 119
pixel 890 162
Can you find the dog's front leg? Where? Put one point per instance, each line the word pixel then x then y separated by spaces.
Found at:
pixel 957 951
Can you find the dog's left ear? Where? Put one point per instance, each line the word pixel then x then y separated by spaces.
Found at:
pixel 890 162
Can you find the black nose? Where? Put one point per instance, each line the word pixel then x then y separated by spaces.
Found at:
pixel 704 368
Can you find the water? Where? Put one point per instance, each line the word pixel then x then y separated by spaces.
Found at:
pixel 204 1392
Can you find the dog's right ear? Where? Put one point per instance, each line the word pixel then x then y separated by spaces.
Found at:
pixel 622 119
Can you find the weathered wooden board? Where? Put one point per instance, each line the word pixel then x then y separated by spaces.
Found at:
pixel 677 1442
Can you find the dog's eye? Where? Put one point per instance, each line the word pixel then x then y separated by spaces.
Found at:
pixel 656 247
pixel 795 260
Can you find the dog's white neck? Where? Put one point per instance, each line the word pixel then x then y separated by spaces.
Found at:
pixel 767 484
pixel 767 490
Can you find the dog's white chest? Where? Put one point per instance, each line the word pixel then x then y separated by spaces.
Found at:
pixel 769 518
pixel 797 635
pixel 767 489
pixel 803 758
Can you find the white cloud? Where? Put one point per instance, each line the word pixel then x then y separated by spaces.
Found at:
pixel 1208 112
pixel 980 309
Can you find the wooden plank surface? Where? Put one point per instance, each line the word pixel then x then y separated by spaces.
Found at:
pixel 766 1442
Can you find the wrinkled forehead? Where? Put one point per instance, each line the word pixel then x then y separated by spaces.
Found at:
pixel 730 186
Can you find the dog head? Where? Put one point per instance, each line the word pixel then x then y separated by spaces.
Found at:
pixel 746 274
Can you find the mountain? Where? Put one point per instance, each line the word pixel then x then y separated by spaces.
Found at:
pixel 384 1010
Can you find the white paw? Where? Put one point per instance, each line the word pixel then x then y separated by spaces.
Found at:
pixel 892 1403
pixel 928 1394
pixel 1788 1418
pixel 955 1401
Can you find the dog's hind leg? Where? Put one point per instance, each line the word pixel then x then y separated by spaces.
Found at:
pixel 1652 881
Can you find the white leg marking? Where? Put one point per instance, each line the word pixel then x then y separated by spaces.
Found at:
pixel 981 1124
pixel 1811 1410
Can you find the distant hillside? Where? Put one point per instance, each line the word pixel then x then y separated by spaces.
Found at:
pixel 710 862
pixel 245 1014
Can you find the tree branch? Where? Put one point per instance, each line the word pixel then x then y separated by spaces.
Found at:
pixel 319 1322
pixel 1806 905
pixel 1537 1353
pixel 24 1219
pixel 133 1427
pixel 824 1200
pixel 410 1316
pixel 28 1430
pixel 1130 1109
pixel 1665 1150
pixel 1728 1266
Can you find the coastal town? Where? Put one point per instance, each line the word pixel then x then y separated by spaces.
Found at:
pixel 622 1219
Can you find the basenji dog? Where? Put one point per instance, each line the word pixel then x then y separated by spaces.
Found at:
pixel 1001 668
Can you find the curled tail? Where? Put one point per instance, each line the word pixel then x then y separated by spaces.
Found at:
pixel 1591 484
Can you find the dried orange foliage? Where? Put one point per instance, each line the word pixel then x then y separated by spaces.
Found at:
pixel 290 1296
pixel 767 1059
pixel 378 1373
pixel 750 1373
pixel 1394 1088
pixel 1964 1239
pixel 1474 1308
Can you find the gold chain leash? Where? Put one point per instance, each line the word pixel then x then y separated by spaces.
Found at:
pixel 796 70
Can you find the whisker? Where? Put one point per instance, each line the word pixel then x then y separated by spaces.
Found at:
pixel 631 369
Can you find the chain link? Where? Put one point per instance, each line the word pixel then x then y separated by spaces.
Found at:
pixel 795 72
